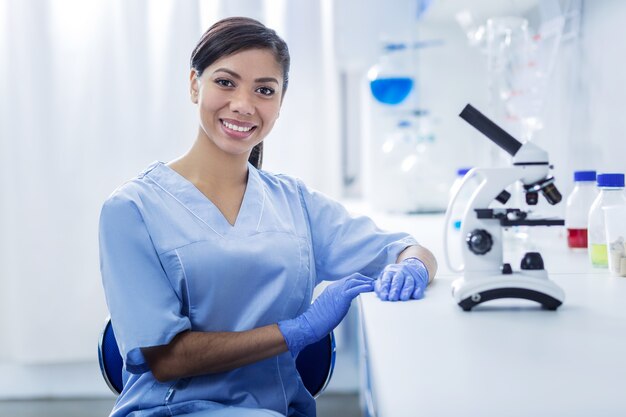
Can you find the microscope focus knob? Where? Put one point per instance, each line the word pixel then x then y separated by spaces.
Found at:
pixel 479 241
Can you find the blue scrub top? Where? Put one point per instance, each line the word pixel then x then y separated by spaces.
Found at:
pixel 171 262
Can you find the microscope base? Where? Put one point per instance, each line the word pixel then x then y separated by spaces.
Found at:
pixel 469 293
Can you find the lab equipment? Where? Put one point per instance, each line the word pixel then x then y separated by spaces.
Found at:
pixel 577 208
pixel 391 79
pixel 402 281
pixel 391 90
pixel 325 313
pixel 520 64
pixel 611 193
pixel 315 364
pixel 615 228
pixel 485 276
pixel 405 173
pixel 461 200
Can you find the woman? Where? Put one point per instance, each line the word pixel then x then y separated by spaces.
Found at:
pixel 209 263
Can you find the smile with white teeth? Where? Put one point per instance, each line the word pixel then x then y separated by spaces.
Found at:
pixel 235 127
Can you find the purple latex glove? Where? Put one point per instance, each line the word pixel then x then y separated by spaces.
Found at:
pixel 402 281
pixel 325 313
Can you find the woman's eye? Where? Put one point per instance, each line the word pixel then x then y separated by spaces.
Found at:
pixel 224 83
pixel 266 91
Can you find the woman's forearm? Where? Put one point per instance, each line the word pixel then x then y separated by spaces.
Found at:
pixel 424 255
pixel 196 353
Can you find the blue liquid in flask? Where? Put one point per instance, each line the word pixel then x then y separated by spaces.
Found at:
pixel 391 90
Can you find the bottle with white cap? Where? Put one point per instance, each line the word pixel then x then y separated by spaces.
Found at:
pixel 577 209
pixel 611 193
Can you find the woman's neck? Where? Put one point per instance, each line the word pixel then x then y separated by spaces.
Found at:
pixel 206 165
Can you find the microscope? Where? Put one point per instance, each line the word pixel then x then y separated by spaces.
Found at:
pixel 485 276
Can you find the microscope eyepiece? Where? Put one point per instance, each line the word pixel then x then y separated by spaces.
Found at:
pixel 488 128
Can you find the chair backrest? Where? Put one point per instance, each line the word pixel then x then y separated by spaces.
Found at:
pixel 110 359
pixel 315 363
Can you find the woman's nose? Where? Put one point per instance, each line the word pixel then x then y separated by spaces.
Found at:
pixel 242 103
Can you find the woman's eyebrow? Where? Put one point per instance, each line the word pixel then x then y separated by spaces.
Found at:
pixel 266 80
pixel 238 77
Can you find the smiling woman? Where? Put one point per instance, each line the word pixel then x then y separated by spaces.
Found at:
pixel 224 256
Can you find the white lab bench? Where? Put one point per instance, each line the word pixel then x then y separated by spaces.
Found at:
pixel 505 357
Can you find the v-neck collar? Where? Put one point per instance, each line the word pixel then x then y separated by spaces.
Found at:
pixel 203 208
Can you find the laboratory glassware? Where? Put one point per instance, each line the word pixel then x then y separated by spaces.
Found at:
pixel 406 175
pixel 391 79
pixel 577 209
pixel 387 156
pixel 611 193
pixel 507 46
pixel 615 228
pixel 519 65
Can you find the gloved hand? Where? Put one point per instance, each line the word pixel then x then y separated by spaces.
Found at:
pixel 402 281
pixel 325 313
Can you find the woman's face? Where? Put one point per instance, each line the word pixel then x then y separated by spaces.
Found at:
pixel 239 98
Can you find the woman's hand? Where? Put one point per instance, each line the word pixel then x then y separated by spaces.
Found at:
pixel 325 313
pixel 402 281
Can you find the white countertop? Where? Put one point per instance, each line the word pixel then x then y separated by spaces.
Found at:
pixel 505 357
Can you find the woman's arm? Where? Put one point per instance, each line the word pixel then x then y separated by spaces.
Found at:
pixel 195 353
pixel 424 255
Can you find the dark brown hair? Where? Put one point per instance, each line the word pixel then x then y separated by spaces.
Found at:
pixel 235 34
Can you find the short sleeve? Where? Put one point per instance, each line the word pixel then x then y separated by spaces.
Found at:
pixel 343 244
pixel 145 309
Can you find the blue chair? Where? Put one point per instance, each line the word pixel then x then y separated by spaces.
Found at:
pixel 315 363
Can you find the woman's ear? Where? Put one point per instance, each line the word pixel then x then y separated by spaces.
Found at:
pixel 194 86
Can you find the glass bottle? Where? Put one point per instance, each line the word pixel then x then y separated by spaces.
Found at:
pixel 391 79
pixel 386 160
pixel 577 209
pixel 611 193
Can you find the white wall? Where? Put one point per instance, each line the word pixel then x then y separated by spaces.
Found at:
pixel 584 126
pixel 599 131
pixel 305 140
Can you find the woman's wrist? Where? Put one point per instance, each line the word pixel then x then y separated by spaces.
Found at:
pixel 417 264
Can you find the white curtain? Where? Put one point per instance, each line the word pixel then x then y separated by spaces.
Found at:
pixel 91 93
